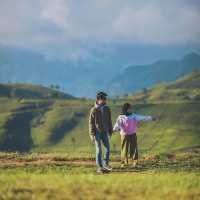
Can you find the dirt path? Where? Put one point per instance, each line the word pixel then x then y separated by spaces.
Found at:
pixel 44 162
pixel 13 163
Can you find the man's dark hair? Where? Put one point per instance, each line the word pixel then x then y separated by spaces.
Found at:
pixel 125 108
pixel 101 95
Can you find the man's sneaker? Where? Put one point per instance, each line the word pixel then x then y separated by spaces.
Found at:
pixel 107 167
pixel 100 170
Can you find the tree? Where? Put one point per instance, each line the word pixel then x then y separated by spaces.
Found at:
pixel 51 86
pixel 13 93
pixel 73 140
pixel 57 87
pixel 145 92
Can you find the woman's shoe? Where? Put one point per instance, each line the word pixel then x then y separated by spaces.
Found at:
pixel 122 166
pixel 135 163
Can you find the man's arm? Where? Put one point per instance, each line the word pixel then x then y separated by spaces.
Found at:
pixel 110 122
pixel 92 128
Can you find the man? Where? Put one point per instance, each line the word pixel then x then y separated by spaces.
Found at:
pixel 100 129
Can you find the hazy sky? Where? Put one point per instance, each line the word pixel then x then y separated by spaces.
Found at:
pixel 74 28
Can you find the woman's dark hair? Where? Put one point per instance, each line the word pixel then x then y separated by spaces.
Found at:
pixel 125 108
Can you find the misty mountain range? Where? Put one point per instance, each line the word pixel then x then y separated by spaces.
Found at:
pixel 83 78
pixel 137 77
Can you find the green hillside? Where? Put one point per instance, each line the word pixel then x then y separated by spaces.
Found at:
pixel 43 125
pixel 63 127
pixel 176 128
pixel 30 91
pixel 186 88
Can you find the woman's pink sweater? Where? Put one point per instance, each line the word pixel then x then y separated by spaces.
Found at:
pixel 127 125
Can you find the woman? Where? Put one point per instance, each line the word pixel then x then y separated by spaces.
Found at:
pixel 127 124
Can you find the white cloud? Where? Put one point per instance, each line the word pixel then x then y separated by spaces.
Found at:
pixel 76 25
pixel 158 25
pixel 55 11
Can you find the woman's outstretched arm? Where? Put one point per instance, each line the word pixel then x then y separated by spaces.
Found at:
pixel 143 117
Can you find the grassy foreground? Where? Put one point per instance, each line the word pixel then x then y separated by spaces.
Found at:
pixel 55 185
pixel 58 176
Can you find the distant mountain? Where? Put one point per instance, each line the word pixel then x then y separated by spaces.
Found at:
pixel 24 66
pixel 137 77
pixel 29 91
pixel 81 78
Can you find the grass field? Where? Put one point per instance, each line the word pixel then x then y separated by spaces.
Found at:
pixel 60 176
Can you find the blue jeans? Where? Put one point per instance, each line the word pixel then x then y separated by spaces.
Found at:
pixel 102 137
